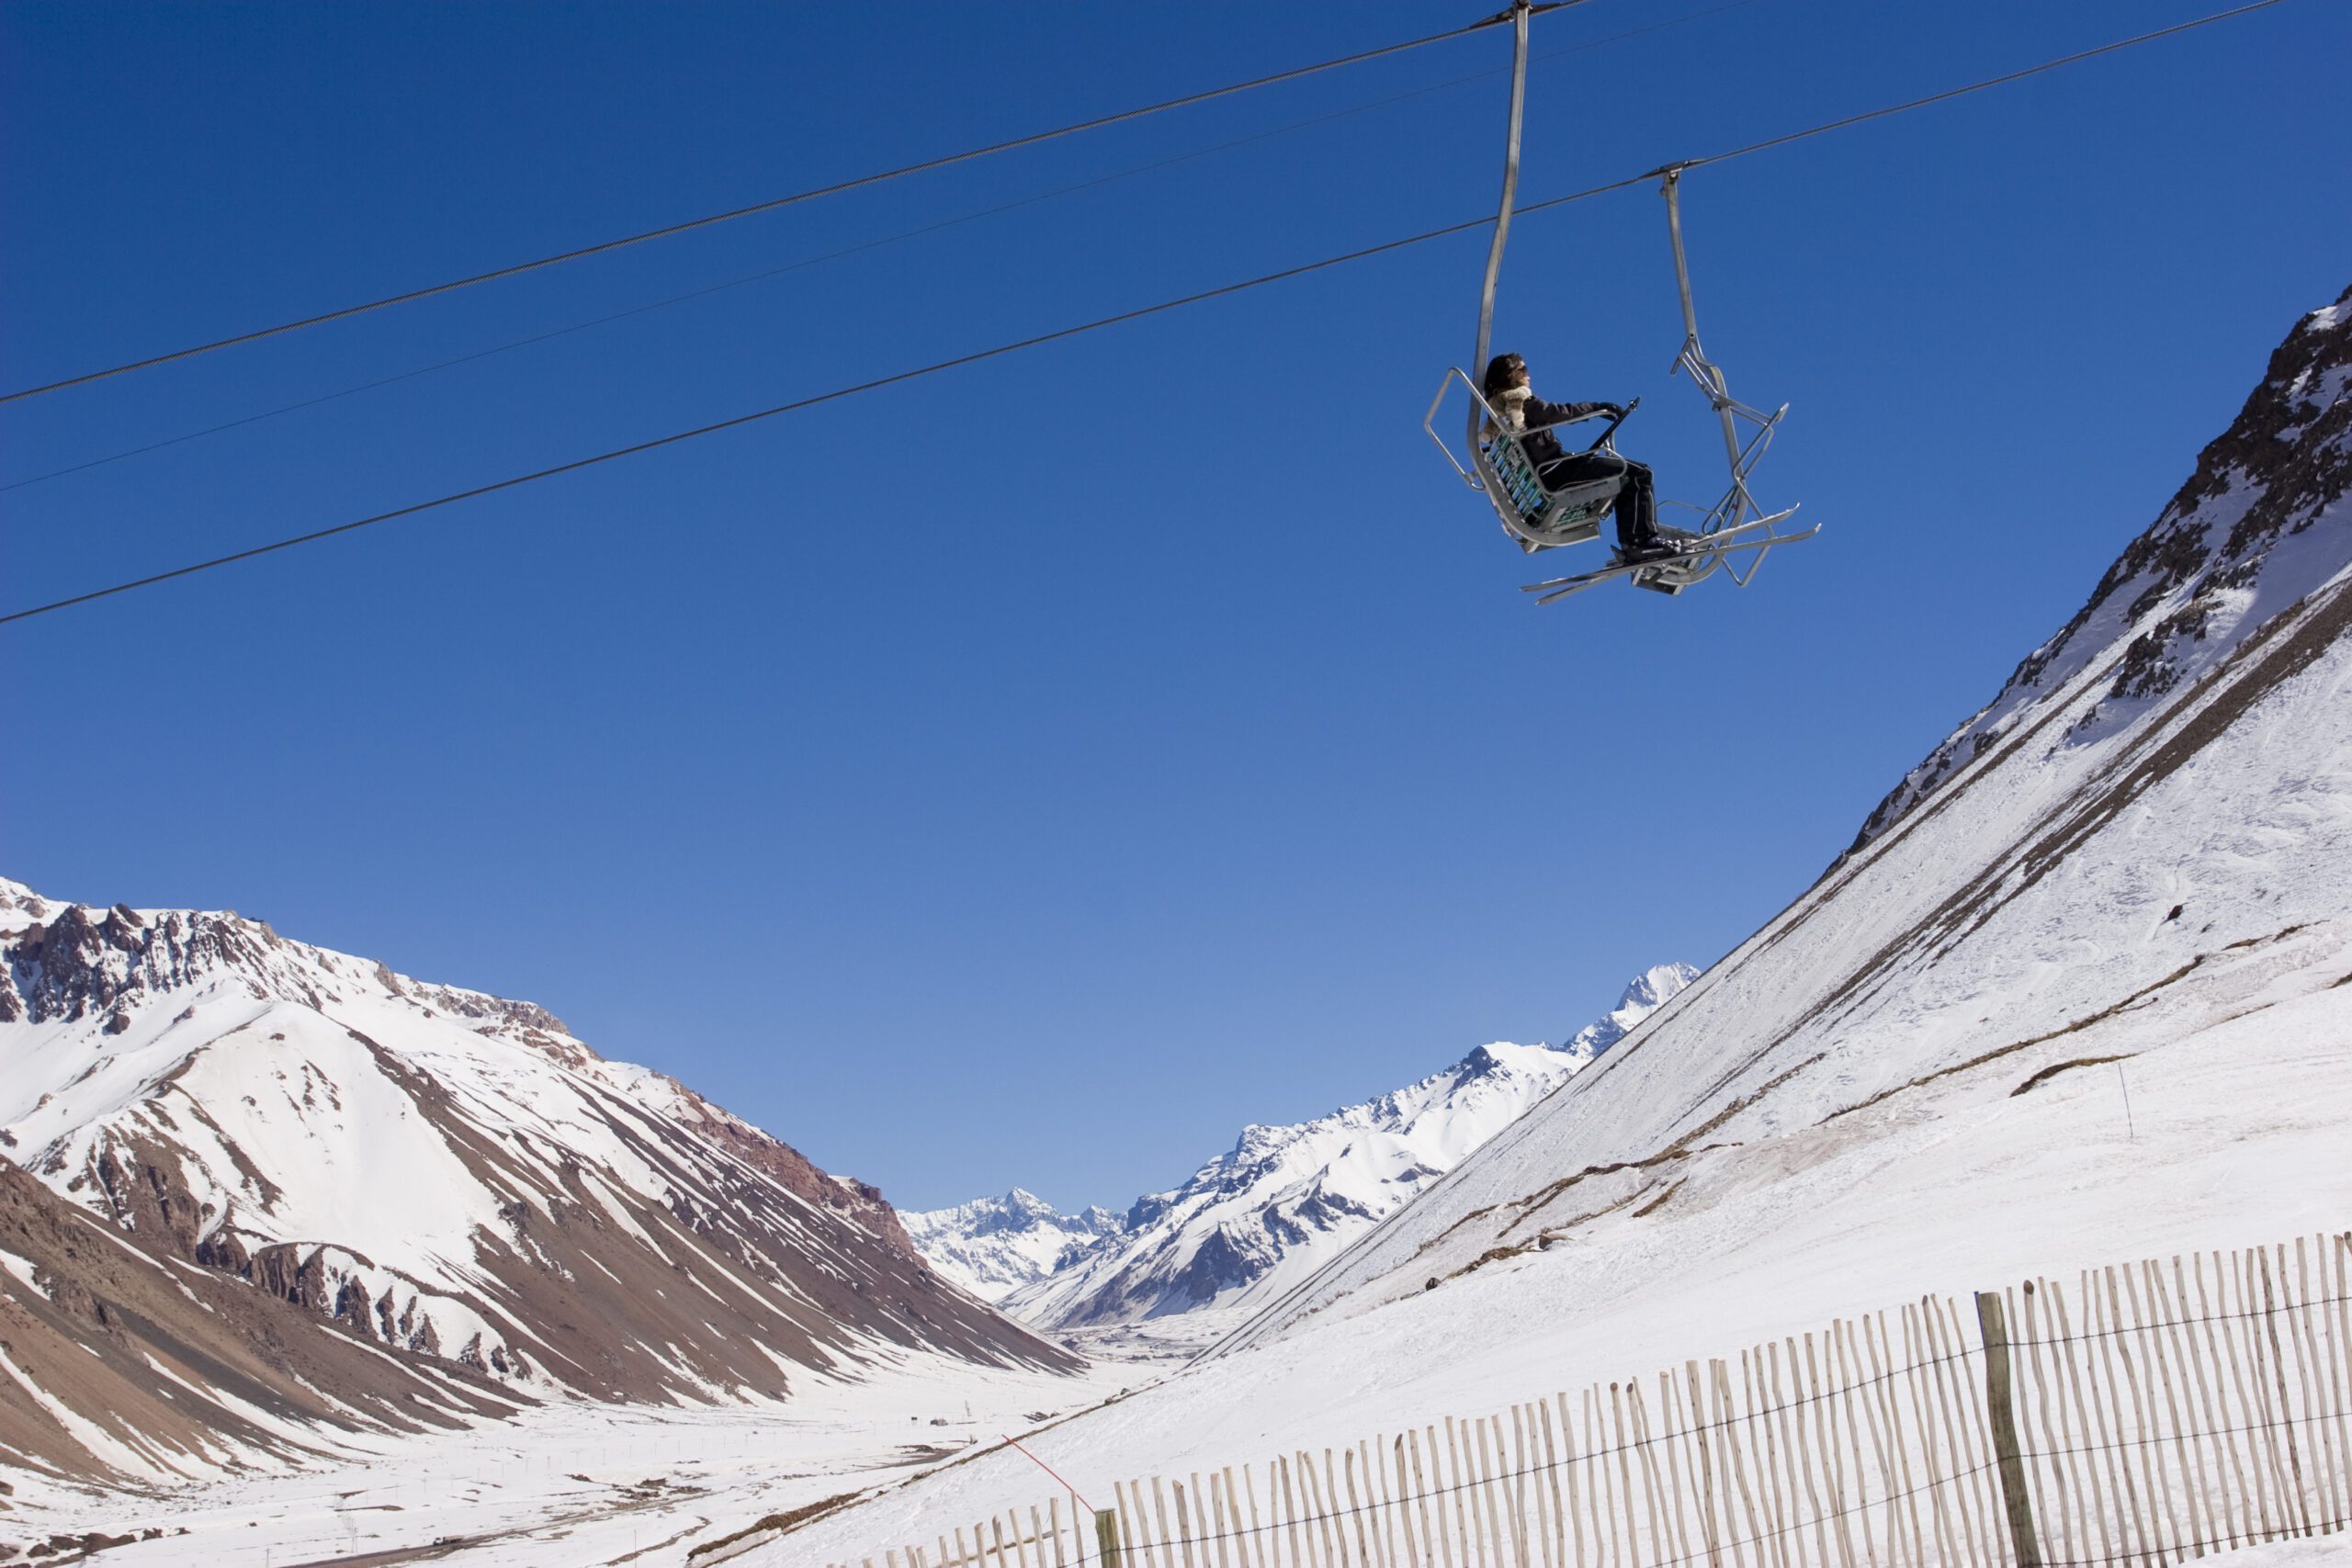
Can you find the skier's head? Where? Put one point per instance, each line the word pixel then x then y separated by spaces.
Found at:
pixel 1504 371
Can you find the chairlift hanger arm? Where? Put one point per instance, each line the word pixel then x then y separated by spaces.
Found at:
pixel 1690 356
pixel 1519 14
pixel 1740 455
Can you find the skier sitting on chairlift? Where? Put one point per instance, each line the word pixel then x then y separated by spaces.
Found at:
pixel 1519 411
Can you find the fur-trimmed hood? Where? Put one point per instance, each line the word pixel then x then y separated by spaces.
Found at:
pixel 1510 410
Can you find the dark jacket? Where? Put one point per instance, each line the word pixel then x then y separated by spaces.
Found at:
pixel 1540 446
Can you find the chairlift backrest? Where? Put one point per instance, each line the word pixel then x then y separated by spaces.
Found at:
pixel 1506 451
pixel 1506 454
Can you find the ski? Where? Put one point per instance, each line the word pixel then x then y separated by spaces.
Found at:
pixel 1744 538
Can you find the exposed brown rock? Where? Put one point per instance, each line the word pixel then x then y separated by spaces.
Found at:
pixel 102 1303
pixel 2290 448
pixel 757 1261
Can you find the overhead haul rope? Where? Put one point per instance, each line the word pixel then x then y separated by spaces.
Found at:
pixel 864 246
pixel 859 182
pixel 1058 335
pixel 1502 212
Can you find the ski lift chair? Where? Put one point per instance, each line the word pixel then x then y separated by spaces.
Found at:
pixel 1539 519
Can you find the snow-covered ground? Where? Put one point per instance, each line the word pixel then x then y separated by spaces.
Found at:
pixel 2294 1553
pixel 574 1484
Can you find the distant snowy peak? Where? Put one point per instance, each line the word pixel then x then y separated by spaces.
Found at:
pixel 1252 1222
pixel 991 1247
pixel 1269 1211
pixel 1650 990
pixel 2248 534
pixel 1021 1213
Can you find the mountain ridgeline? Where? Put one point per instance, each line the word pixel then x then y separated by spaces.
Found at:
pixel 1270 1210
pixel 2241 541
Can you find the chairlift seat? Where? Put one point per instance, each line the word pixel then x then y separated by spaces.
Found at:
pixel 1543 517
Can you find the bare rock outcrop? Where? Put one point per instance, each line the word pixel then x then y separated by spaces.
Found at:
pixel 2180 597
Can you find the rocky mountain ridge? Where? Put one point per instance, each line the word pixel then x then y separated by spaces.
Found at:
pixel 2185 593
pixel 440 1174
pixel 992 1246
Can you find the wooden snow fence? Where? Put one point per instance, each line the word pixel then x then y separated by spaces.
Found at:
pixel 2144 1414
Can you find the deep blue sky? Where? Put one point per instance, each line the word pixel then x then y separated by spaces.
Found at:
pixel 1032 774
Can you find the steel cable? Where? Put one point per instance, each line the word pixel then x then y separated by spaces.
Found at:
pixel 859 182
pixel 1138 313
pixel 1951 93
pixel 860 248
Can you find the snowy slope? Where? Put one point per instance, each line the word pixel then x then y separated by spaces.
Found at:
pixel 442 1173
pixel 1263 1214
pixel 2081 993
pixel 991 1247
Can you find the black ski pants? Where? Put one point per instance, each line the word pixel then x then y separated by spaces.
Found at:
pixel 1636 502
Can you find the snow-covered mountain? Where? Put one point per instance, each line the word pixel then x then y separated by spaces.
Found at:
pixel 1282 1199
pixel 992 1246
pixel 1650 990
pixel 2256 528
pixel 434 1172
pixel 2081 993
pixel 1269 1210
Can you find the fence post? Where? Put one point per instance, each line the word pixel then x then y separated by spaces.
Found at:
pixel 1995 1326
pixel 1106 1536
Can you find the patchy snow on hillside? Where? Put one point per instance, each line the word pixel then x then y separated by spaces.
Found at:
pixel 2257 528
pixel 431 1170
